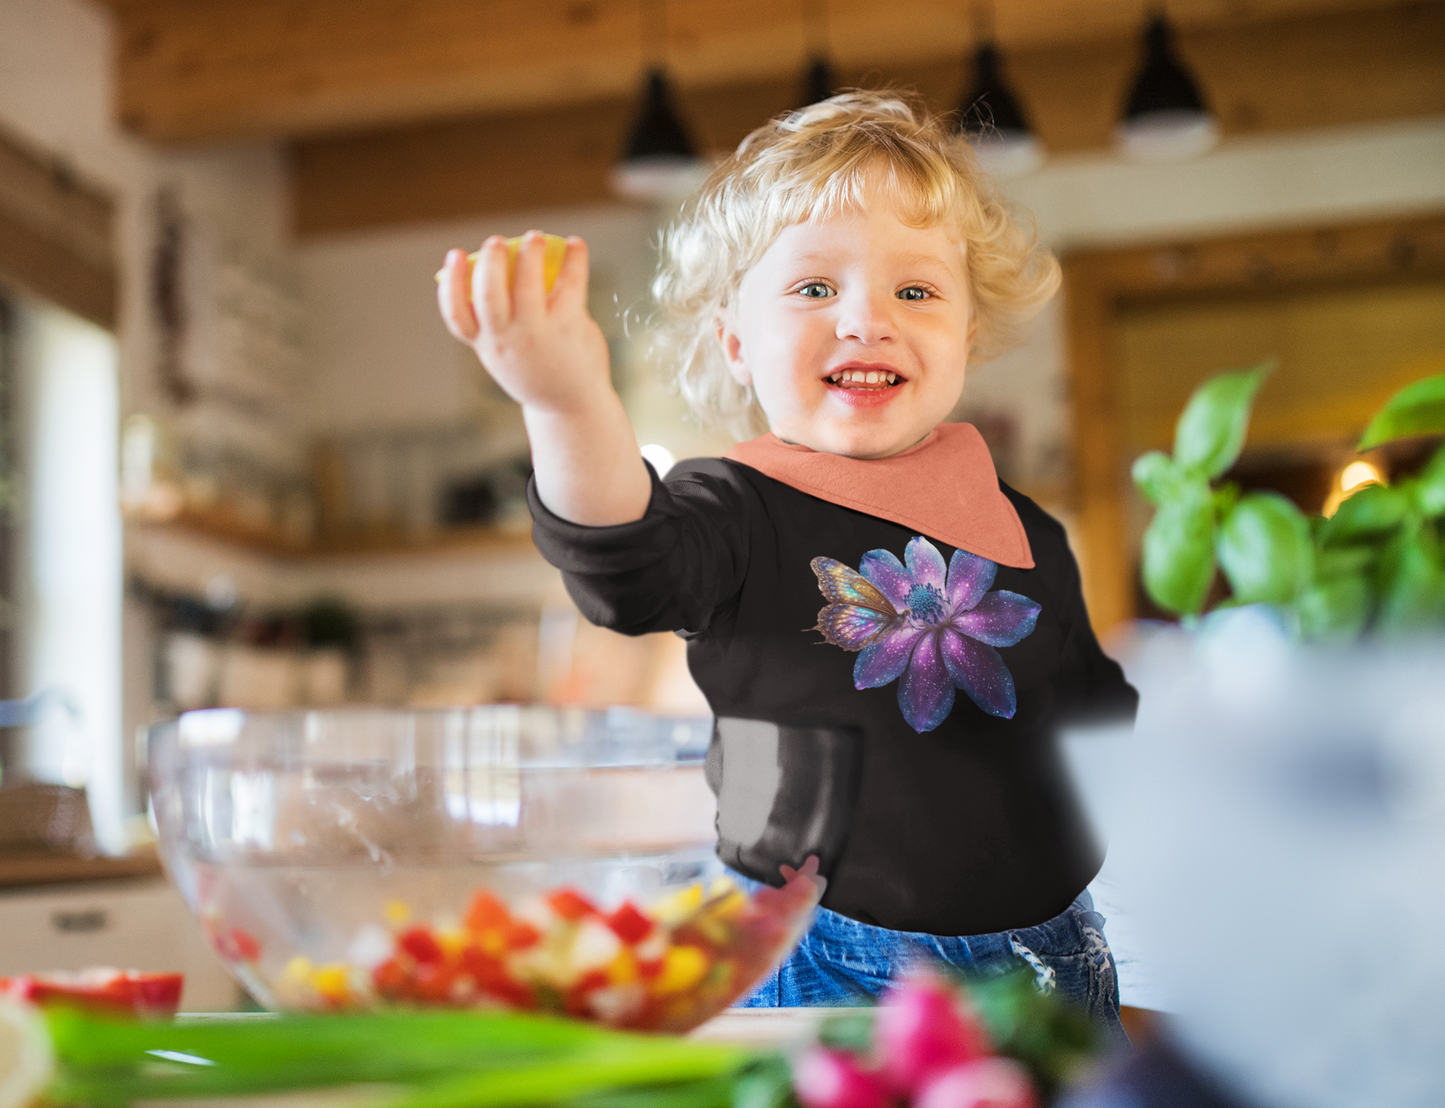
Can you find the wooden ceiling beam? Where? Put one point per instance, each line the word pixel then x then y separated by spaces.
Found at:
pixel 1348 68
pixel 229 69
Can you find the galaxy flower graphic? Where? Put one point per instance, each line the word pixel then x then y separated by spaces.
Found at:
pixel 934 626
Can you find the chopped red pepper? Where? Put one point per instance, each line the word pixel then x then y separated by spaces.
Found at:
pixel 421 944
pixel 391 978
pixel 575 1002
pixel 571 905
pixel 522 935
pixel 486 912
pixel 629 924
pixel 434 982
pixel 244 944
pixel 112 991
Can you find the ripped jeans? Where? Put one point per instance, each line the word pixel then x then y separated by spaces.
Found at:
pixel 843 962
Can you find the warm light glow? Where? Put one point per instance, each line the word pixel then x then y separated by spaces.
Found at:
pixel 1359 473
pixel 1353 478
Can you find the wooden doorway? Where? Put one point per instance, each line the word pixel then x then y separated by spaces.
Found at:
pixel 1144 323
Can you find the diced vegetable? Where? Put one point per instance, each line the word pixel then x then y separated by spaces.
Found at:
pixel 664 966
pixel 120 992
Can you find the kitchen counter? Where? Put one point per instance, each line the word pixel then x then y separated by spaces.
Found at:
pixel 57 869
pixel 776 1027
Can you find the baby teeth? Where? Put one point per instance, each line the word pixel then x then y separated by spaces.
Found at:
pixel 861 377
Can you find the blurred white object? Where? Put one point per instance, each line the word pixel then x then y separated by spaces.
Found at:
pixel 1167 136
pixel 193 664
pixel 660 457
pixel 1008 154
pixel 324 675
pixel 254 677
pixel 1285 836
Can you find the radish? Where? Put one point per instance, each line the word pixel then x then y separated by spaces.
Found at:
pixel 981 1083
pixel 921 1031
pixel 832 1079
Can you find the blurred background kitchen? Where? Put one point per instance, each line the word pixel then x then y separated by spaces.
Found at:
pixel 243 464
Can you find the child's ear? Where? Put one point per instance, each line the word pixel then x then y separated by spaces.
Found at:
pixel 732 351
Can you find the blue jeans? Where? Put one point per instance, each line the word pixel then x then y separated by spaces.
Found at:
pixel 843 962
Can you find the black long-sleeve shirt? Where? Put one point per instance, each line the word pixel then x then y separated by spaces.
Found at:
pixel 965 828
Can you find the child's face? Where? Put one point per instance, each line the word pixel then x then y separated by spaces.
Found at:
pixel 853 332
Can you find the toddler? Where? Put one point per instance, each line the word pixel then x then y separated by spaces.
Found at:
pixel 888 635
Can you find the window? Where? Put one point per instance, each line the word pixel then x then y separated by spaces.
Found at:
pixel 65 553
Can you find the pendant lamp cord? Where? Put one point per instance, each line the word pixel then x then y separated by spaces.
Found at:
pixel 653 16
pixel 979 16
pixel 816 31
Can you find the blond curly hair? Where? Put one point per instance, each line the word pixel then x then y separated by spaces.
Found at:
pixel 812 164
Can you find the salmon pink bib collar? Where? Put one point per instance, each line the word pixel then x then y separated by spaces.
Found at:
pixel 945 488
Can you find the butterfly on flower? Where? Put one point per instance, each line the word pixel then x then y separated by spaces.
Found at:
pixel 935 626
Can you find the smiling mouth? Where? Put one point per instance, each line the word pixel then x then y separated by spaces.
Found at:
pixel 865 379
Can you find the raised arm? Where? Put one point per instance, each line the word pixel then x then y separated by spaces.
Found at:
pixel 549 355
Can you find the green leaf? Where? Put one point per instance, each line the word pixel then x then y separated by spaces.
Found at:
pixel 1179 551
pixel 1371 511
pixel 1417 409
pixel 850 1030
pixel 766 1083
pixel 1430 486
pixel 1337 609
pixel 1226 496
pixel 1414 589
pixel 1210 433
pixel 1050 1036
pixel 1156 477
pixel 1343 561
pixel 1264 549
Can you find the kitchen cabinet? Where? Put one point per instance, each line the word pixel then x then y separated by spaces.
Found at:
pixel 140 924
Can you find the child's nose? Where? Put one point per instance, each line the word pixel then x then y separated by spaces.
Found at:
pixel 865 317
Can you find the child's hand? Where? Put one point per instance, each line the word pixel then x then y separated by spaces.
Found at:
pixel 542 348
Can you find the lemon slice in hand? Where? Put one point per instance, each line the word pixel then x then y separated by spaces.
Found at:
pixel 554 250
pixel 26 1059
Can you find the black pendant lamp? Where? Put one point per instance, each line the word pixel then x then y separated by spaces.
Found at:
pixel 659 161
pixel 1166 118
pixel 817 80
pixel 993 121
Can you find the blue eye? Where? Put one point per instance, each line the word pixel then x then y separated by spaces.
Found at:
pixel 815 290
pixel 913 293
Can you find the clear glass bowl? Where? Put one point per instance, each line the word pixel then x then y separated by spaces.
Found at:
pixel 552 859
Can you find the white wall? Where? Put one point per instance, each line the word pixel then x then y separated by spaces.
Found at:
pixel 380 355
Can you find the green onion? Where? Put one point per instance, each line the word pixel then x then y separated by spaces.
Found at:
pixel 472 1059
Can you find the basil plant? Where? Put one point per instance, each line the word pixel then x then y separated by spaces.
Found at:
pixel 1376 566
